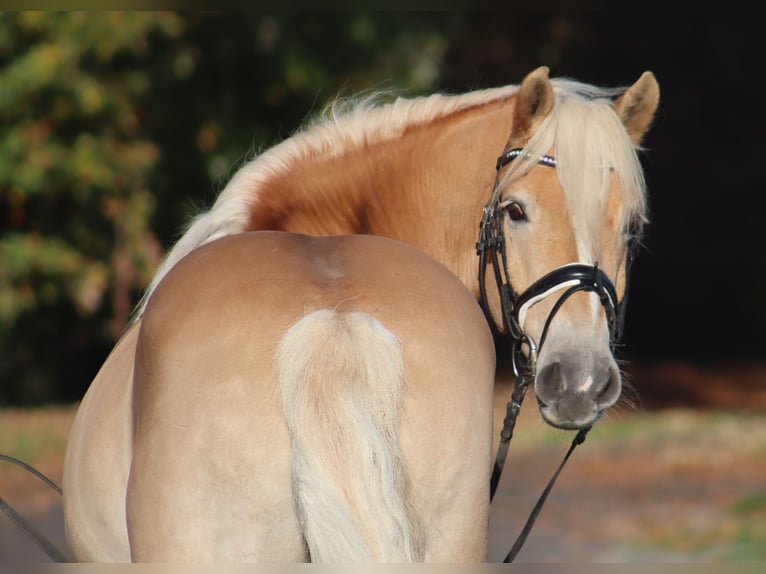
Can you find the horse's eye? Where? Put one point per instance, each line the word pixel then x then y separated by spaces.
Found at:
pixel 515 211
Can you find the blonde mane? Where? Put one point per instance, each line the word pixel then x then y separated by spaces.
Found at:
pixel 582 124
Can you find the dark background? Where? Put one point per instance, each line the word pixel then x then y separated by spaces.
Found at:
pixel 696 292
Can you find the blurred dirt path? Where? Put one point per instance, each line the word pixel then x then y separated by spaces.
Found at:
pixel 675 485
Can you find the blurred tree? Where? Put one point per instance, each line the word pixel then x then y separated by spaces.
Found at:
pixel 74 200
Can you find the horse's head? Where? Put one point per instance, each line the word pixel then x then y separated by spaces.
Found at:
pixel 567 207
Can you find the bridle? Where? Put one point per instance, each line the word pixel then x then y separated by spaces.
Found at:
pixel 570 279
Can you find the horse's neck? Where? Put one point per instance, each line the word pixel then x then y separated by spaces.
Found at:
pixel 426 188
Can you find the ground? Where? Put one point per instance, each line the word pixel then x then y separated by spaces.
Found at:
pixel 678 476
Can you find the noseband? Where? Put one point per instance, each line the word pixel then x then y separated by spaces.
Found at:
pixel 570 279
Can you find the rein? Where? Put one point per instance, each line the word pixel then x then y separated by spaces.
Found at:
pixel 571 278
pixel 45 545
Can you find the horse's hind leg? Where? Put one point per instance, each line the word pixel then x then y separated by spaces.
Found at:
pixel 210 474
pixel 341 379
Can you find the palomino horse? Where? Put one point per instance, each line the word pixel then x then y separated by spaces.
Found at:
pixel 566 202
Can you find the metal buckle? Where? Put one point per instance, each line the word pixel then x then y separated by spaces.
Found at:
pixel 529 360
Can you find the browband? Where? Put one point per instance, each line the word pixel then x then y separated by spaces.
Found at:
pixel 511 154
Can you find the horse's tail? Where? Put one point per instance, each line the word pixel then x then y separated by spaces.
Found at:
pixel 341 378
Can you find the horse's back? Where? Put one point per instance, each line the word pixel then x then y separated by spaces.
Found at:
pixel 212 470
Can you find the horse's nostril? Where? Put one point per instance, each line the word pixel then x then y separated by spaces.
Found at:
pixel 605 390
pixel 550 382
pixel 610 392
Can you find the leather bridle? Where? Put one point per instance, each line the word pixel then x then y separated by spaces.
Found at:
pixel 570 279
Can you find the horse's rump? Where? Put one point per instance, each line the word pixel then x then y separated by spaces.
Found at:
pixel 300 398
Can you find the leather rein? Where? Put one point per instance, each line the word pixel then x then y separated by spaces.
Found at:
pixel 570 278
pixel 32 533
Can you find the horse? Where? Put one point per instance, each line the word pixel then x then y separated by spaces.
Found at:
pixel 566 201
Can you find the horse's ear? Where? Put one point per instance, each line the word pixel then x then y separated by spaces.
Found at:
pixel 534 101
pixel 637 106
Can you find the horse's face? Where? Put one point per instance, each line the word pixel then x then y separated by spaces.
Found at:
pixel 576 375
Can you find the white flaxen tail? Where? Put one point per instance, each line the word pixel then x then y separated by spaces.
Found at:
pixel 341 378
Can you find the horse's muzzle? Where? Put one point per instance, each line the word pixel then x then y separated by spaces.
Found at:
pixel 573 390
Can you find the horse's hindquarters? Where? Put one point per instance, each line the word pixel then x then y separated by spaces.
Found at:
pixel 211 475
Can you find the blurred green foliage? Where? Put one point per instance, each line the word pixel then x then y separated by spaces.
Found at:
pixel 115 126
pixel 75 201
